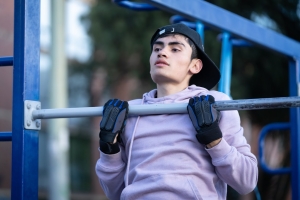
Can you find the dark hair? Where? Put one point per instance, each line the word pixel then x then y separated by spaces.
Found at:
pixel 194 49
pixel 191 43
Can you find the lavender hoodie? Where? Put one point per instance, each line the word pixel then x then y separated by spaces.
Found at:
pixel 162 159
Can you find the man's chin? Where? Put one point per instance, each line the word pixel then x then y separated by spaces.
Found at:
pixel 160 79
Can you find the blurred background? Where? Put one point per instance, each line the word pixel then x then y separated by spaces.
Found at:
pixel 106 51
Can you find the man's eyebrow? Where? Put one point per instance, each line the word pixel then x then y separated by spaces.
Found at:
pixel 176 43
pixel 159 42
pixel 170 43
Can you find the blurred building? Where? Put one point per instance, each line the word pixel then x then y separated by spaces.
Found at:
pixel 83 148
pixel 6 49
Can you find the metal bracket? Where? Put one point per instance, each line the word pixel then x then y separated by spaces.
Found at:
pixel 29 122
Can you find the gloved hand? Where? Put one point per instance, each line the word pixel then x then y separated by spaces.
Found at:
pixel 112 124
pixel 204 118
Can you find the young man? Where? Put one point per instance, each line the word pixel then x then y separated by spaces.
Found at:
pixel 175 156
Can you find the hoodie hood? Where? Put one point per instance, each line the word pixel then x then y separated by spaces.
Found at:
pixel 179 97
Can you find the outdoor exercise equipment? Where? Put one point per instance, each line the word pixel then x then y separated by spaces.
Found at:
pixel 234 29
pixel 33 111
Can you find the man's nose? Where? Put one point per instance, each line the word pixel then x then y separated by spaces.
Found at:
pixel 162 53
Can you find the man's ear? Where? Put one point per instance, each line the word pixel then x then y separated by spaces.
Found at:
pixel 196 66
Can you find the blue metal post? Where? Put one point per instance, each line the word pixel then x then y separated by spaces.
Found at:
pixel 134 5
pixel 198 26
pixel 5 136
pixel 261 144
pixel 6 61
pixel 26 82
pixel 226 64
pixel 200 29
pixel 294 75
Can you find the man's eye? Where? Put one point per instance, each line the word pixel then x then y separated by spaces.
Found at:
pixel 156 49
pixel 175 50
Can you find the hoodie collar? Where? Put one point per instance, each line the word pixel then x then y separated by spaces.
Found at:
pixel 178 97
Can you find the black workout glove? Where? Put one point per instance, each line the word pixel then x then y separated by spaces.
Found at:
pixel 112 124
pixel 205 118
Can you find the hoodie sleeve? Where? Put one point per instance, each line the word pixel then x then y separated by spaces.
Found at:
pixel 110 169
pixel 232 157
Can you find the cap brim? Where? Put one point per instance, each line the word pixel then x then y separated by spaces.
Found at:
pixel 209 75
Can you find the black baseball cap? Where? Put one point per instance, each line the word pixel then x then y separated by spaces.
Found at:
pixel 209 75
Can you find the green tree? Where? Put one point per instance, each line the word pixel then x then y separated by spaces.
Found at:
pixel 121 42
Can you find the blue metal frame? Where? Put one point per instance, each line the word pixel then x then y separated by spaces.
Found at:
pixel 5 136
pixel 134 5
pixel 226 64
pixel 6 61
pixel 200 29
pixel 261 143
pixel 198 26
pixel 294 79
pixel 226 59
pixel 26 82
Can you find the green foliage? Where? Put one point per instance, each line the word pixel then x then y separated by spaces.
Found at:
pixel 121 39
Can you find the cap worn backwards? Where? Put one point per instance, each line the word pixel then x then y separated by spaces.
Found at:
pixel 209 75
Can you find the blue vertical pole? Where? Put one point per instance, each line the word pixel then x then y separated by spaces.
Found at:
pixel 226 64
pixel 26 81
pixel 200 29
pixel 295 129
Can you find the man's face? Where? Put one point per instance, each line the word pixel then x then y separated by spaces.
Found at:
pixel 170 60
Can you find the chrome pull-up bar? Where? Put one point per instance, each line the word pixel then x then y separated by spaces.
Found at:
pixel 33 112
pixel 175 108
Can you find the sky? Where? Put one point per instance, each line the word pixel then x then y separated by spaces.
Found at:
pixel 77 46
pixel 77 41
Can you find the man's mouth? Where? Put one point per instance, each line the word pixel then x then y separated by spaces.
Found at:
pixel 161 62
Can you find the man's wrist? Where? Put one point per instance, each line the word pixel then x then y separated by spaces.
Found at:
pixel 115 140
pixel 213 143
pixel 109 148
pixel 210 134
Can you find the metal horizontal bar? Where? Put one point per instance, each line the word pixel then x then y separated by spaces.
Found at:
pixel 176 108
pixel 179 19
pixel 234 41
pixel 134 5
pixel 223 20
pixel 261 144
pixel 6 61
pixel 5 136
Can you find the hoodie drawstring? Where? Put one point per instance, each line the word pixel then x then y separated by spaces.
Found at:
pixel 130 148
